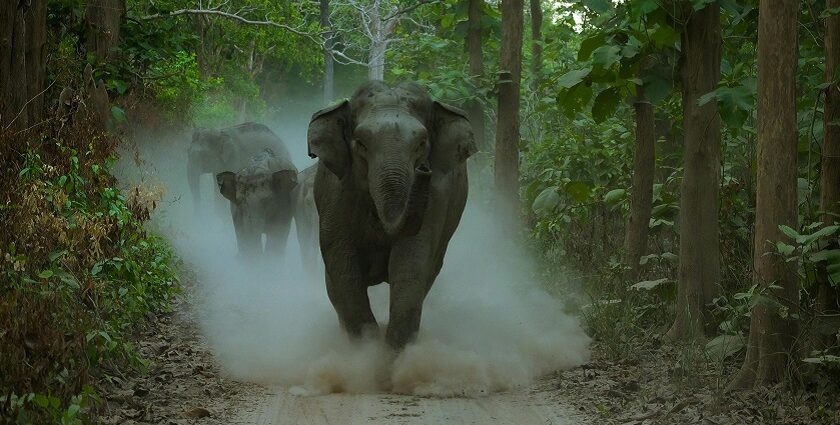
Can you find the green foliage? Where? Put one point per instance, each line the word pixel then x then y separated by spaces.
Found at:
pixel 79 273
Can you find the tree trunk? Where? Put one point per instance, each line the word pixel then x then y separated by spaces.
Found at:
pixel 23 35
pixel 699 269
pixel 103 26
pixel 827 297
pixel 329 63
pixel 641 201
pixel 507 126
pixel 475 111
pixel 772 330
pixel 536 43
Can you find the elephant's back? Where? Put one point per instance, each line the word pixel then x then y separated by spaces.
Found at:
pixel 250 139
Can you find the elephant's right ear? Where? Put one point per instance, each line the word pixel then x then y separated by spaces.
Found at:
pixel 227 185
pixel 327 138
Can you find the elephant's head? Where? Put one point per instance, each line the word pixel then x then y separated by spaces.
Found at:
pixel 391 141
pixel 256 194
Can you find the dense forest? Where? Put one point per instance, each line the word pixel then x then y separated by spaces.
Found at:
pixel 676 162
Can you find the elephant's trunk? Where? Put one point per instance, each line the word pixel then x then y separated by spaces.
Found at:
pixel 400 203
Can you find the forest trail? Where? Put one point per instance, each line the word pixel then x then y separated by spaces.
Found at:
pixel 528 406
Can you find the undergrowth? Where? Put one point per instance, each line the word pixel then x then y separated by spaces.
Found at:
pixel 78 273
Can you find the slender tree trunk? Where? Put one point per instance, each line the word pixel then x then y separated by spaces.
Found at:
pixel 475 111
pixel 329 63
pixel 103 26
pixel 23 35
pixel 507 126
pixel 772 330
pixel 536 43
pixel 699 269
pixel 827 297
pixel 641 200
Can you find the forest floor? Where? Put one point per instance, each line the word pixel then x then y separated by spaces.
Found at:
pixel 659 385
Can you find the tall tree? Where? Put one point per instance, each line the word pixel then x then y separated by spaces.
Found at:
pixel 641 196
pixel 507 124
pixel 772 327
pixel 827 298
pixel 329 63
pixel 475 111
pixel 536 42
pixel 699 269
pixel 23 36
pixel 103 26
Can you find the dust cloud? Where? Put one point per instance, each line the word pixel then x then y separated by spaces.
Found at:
pixel 487 326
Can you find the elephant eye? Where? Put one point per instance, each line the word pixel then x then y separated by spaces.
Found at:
pixel 361 146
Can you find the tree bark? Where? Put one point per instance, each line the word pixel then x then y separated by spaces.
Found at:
pixel 699 269
pixel 827 296
pixel 103 26
pixel 536 43
pixel 329 63
pixel 507 125
pixel 475 111
pixel 641 197
pixel 772 330
pixel 23 35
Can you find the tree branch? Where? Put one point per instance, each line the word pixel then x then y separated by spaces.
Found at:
pixel 234 17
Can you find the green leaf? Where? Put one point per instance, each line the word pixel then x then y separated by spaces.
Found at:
pixel 546 201
pixel 670 257
pixel 724 346
pixel 650 284
pixel 572 101
pixel 615 196
pixel 606 56
pixel 578 191
pixel 664 36
pixel 830 12
pixel 118 114
pixel 656 88
pixel 588 45
pixel 55 255
pixel 825 255
pixel 572 78
pixel 599 6
pixel 605 104
pixel 641 8
pixel 46 274
pixel 788 231
pixel 784 248
pixel 825 359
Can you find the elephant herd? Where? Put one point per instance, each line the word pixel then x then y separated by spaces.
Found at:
pixel 381 203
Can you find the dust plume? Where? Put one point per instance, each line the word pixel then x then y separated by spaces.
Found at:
pixel 487 326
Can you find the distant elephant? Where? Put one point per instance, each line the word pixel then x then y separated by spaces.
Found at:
pixel 390 189
pixel 231 148
pixel 260 198
pixel 306 218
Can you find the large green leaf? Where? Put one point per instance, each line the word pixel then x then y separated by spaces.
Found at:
pixel 573 100
pixel 724 346
pixel 546 201
pixel 578 191
pixel 656 87
pixel 572 78
pixel 649 285
pixel 664 36
pixel 590 44
pixel 599 6
pixel 606 56
pixel 615 196
pixel 605 104
pixel 639 8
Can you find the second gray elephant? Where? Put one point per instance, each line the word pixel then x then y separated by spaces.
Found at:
pixel 261 202
pixel 227 149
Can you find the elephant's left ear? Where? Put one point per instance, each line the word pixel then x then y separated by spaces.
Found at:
pixel 284 180
pixel 452 138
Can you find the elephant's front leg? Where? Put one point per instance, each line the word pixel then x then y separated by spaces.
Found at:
pixel 347 290
pixel 410 279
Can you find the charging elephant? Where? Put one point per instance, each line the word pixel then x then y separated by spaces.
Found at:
pixel 390 190
pixel 260 198
pixel 231 148
pixel 306 218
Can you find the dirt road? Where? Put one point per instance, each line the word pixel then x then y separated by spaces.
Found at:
pixel 528 406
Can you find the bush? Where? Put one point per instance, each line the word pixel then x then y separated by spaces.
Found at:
pixel 78 273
